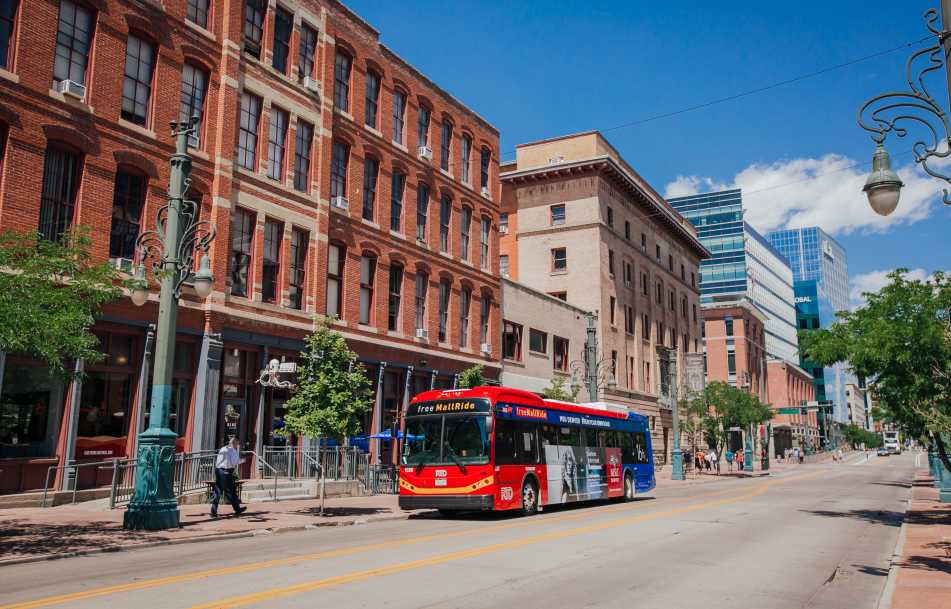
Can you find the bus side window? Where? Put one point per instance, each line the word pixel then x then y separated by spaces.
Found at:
pixel 527 447
pixel 612 439
pixel 569 436
pixel 627 447
pixel 505 448
pixel 591 438
pixel 548 435
pixel 640 447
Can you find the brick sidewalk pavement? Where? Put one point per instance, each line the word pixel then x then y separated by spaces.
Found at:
pixel 923 579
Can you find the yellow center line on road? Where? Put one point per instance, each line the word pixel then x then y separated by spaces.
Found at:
pixel 336 553
pixel 283 592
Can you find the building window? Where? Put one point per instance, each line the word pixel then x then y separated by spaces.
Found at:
pixel 660 293
pixel 242 238
pixel 671 298
pixel 465 300
pixel 559 259
pixel 281 45
pixel 670 263
pixel 248 131
pixel 422 285
pixel 60 184
pixel 399 115
pixel 484 243
pixel 445 145
pixel 336 258
pixel 728 322
pixel 644 283
pixel 657 252
pixel 371 168
pixel 137 85
pixel 731 363
pixel 627 273
pixel 422 209
pixel 271 270
pixel 612 306
pixel 614 365
pixel 683 273
pixel 503 223
pixel 504 265
pixel 276 143
pixel 372 97
pixel 610 217
pixel 444 290
pixel 646 327
pixel 298 274
pixel 196 11
pixel 396 201
pixel 559 353
pixel 537 341
pixel 627 230
pixel 367 273
pixel 466 158
pixel 192 103
pixel 422 127
pixel 464 229
pixel 611 263
pixel 628 319
pixel 73 39
pixel 693 280
pixel 683 307
pixel 128 201
pixel 694 307
pixel 306 51
pixel 484 307
pixel 644 242
pixel 302 147
pixel 485 158
pixel 254 26
pixel 445 217
pixel 557 214
pixel 342 65
pixel 395 294
pixel 512 341
pixel 340 157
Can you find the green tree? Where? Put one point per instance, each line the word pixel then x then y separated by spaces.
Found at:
pixel 333 392
pixel 50 295
pixel 856 436
pixel 471 377
pixel 721 406
pixel 560 390
pixel 900 341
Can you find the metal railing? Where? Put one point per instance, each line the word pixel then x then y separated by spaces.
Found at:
pixel 382 479
pixel 262 468
pixel 334 463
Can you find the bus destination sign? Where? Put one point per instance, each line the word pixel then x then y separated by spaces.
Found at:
pixel 447 407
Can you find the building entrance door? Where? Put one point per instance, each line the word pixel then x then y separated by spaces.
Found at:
pixel 234 420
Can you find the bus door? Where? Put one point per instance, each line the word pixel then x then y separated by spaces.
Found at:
pixel 643 465
pixel 508 474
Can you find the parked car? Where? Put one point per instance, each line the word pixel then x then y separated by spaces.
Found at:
pixel 883 452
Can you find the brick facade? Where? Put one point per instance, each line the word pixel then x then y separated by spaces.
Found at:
pixel 788 385
pixel 35 117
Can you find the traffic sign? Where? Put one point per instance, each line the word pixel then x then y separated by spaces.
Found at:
pixel 789 411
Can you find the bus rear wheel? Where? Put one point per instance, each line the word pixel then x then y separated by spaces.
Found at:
pixel 628 487
pixel 529 498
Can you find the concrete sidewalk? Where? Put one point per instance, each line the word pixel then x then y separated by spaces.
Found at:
pixel 923 577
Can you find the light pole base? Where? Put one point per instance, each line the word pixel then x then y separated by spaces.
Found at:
pixel 154 505
pixel 748 459
pixel 677 465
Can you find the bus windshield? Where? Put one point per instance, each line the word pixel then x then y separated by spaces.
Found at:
pixel 443 440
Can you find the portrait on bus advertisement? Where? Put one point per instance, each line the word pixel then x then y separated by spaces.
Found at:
pixel 578 474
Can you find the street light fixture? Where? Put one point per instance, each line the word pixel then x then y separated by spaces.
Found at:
pixel 891 112
pixel 178 234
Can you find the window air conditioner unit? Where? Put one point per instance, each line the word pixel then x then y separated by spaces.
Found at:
pixel 421 333
pixel 503 230
pixel 425 152
pixel 485 348
pixel 340 203
pixel 124 265
pixel 485 192
pixel 311 84
pixel 72 88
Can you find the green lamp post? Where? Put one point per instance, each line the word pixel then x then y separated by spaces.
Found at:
pixel 171 246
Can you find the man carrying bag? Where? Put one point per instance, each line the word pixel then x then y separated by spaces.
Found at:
pixel 225 463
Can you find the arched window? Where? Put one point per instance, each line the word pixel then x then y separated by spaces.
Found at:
pixel 73 41
pixel 61 175
pixel 340 158
pixel 399 115
pixel 194 89
pixel 371 172
pixel 8 12
pixel 394 297
pixel 342 66
pixel 128 203
pixel 137 84
pixel 367 276
pixel 335 266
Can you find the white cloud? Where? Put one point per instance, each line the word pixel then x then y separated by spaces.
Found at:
pixel 875 280
pixel 824 192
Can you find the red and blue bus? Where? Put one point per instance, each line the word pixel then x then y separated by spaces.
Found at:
pixel 495 448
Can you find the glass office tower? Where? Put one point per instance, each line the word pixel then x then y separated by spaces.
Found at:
pixel 743 264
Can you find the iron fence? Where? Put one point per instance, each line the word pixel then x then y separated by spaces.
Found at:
pixel 382 479
pixel 332 463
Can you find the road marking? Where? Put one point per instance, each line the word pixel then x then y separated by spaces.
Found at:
pixel 283 592
pixel 340 552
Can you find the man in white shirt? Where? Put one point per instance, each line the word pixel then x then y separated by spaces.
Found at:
pixel 225 463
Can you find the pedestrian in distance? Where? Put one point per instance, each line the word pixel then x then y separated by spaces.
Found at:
pixel 696 460
pixel 729 459
pixel 708 461
pixel 799 456
pixel 225 463
pixel 715 462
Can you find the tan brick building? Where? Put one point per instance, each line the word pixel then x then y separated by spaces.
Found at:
pixel 340 180
pixel 583 226
pixel 789 386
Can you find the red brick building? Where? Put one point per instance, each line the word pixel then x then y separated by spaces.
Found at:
pixel 787 386
pixel 735 345
pixel 339 178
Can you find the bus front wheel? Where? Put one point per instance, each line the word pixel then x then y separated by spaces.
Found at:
pixel 529 498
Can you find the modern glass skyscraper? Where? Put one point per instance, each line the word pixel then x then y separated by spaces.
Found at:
pixel 821 273
pixel 743 264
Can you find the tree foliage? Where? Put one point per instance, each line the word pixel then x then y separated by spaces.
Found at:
pixel 560 390
pixel 333 391
pixel 471 377
pixel 900 341
pixel 856 436
pixel 721 406
pixel 50 295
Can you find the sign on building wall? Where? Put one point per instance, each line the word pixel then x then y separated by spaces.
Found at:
pixel 693 373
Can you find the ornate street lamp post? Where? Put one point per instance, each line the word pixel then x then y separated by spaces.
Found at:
pixel 892 112
pixel 595 371
pixel 667 360
pixel 171 246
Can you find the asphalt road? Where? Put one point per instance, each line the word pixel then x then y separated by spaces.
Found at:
pixel 816 536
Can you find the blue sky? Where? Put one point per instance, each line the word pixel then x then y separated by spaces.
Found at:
pixel 538 69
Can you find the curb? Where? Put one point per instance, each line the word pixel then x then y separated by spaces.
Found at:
pixel 201 539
